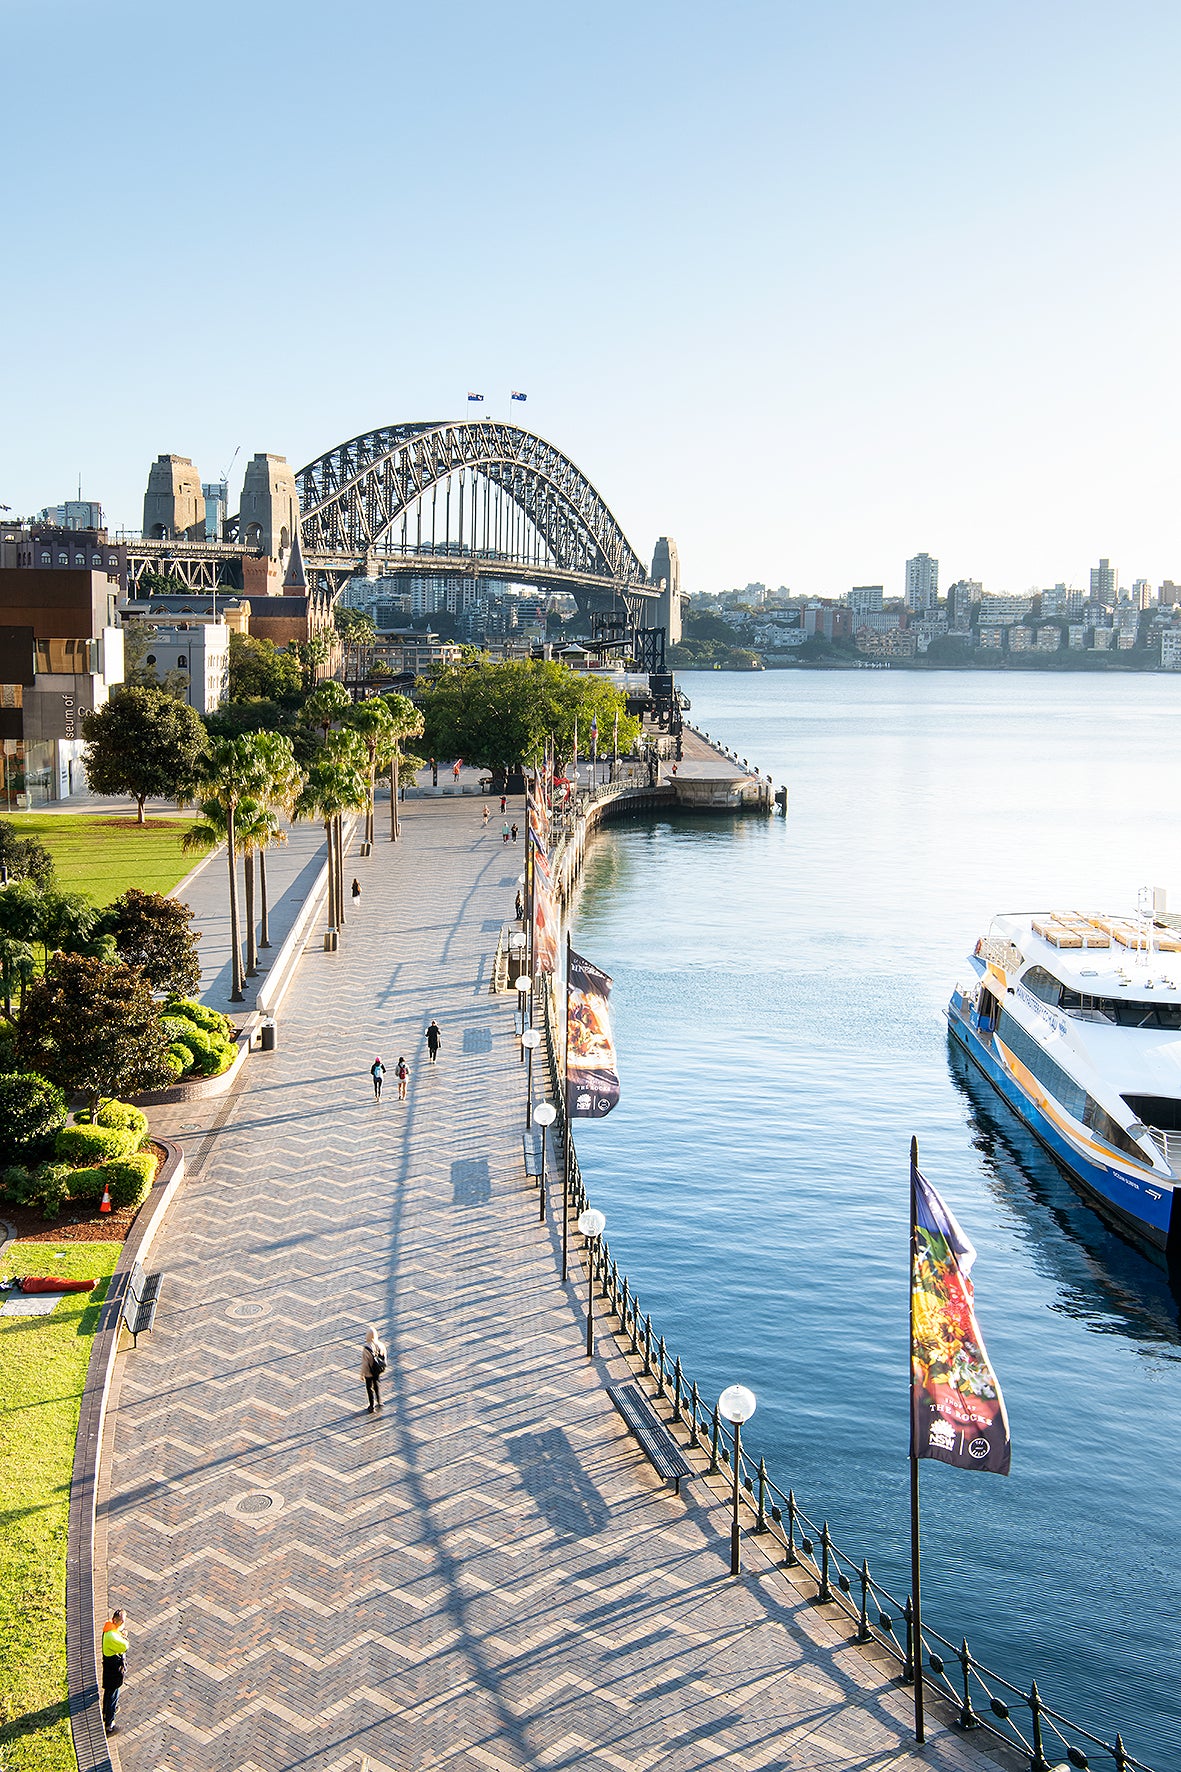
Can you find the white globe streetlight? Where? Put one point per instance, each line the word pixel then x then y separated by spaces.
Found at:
pixel 592 1224
pixel 545 1113
pixel 736 1405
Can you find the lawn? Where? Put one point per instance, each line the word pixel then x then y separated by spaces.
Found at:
pixel 103 856
pixel 42 1370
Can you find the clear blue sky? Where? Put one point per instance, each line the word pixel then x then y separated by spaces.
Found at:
pixel 809 287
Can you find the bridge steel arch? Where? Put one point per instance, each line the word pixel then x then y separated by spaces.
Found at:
pixel 352 498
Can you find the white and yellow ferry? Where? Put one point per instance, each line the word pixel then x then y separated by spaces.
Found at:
pixel 1076 1020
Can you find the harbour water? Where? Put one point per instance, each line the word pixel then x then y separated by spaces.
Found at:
pixel 779 996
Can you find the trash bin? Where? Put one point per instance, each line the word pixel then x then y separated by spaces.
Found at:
pixel 268 1034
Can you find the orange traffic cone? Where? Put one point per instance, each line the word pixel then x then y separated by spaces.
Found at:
pixel 104 1204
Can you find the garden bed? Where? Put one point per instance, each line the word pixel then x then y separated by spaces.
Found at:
pixel 79 1223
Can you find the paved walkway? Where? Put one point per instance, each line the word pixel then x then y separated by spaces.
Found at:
pixel 487 1574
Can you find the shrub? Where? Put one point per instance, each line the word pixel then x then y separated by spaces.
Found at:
pixel 87 1184
pixel 31 1111
pixel 218 1058
pixel 51 1187
pixel 81 1146
pixel 18 1184
pixel 179 1059
pixel 124 1118
pixel 185 1034
pixel 209 1019
pixel 130 1179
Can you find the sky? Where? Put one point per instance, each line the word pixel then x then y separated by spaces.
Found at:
pixel 808 287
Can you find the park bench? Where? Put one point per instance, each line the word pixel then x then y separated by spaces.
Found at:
pixel 653 1434
pixel 531 1146
pixel 140 1302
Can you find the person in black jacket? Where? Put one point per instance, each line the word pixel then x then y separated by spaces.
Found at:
pixel 373 1359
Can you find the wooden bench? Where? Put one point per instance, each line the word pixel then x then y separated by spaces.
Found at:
pixel 531 1146
pixel 652 1433
pixel 140 1302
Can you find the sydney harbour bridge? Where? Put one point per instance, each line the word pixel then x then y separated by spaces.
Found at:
pixel 477 498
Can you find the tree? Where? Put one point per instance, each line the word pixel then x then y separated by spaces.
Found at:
pixel 336 783
pixel 326 705
pixel 284 780
pixel 152 932
pixel 144 743
pixel 92 1026
pixel 53 917
pixel 32 1110
pixel 373 722
pixel 309 655
pixel 23 858
pixel 231 773
pixel 258 671
pixel 407 723
pixel 498 715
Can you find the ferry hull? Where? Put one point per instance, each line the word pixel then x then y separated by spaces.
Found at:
pixel 1135 1206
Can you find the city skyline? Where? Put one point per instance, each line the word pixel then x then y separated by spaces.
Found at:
pixel 857 284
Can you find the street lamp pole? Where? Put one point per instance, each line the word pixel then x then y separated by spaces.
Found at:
pixel 545 1113
pixel 524 984
pixel 530 1040
pixel 592 1224
pixel 736 1405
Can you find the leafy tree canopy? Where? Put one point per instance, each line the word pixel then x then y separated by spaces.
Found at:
pixel 259 670
pixel 24 857
pixel 144 743
pixel 31 1111
pixel 153 933
pixel 92 1026
pixel 498 715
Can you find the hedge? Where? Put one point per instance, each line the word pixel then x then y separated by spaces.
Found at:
pixel 130 1179
pixel 123 1118
pixel 82 1146
pixel 87 1184
pixel 31 1111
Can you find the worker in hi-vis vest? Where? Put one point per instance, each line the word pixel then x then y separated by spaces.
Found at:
pixel 114 1665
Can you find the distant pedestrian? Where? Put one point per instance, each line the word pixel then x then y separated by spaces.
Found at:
pixel 114 1666
pixel 504 832
pixel 356 890
pixel 377 1072
pixel 434 773
pixel 455 768
pixel 373 1360
pixel 520 907
pixel 402 1072
pixel 434 1040
pixel 485 818
pixel 504 802
pixel 515 833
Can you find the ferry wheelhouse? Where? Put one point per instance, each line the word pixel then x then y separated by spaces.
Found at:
pixel 1076 1021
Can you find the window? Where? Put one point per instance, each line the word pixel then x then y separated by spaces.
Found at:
pixel 112 560
pixel 182 663
pixel 150 659
pixel 1042 985
pixel 96 559
pixel 63 559
pixel 79 559
pixel 1123 1012
pixel 47 559
pixel 1069 1094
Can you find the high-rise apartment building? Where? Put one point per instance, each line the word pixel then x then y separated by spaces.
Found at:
pixel 865 600
pixel 1141 593
pixel 922 584
pixel 960 598
pixel 1104 582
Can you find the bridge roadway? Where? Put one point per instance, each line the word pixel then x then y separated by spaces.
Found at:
pixel 487 1574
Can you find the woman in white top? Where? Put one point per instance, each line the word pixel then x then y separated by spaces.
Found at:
pixel 373 1359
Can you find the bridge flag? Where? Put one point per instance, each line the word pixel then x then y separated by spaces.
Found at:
pixel 516 396
pixel 957 1410
pixel 475 397
pixel 592 1080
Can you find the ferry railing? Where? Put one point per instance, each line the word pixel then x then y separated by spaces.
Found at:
pixel 981 1698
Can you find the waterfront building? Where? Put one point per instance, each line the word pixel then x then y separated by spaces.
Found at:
pixel 1170 649
pixel 999 609
pixel 192 663
pixel 893 643
pixel 1076 636
pixel 186 609
pixel 1020 638
pixel 922 583
pixel 865 600
pixel 1049 637
pixel 1141 593
pixel 75 513
pixel 61 652
pixel 1064 601
pixel 880 621
pixel 1169 593
pixel 1104 582
pixel 828 621
pixel 961 596
pixel 1102 639
pixel 990 637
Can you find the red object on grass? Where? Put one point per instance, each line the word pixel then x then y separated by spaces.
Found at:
pixel 53 1283
pixel 104 1204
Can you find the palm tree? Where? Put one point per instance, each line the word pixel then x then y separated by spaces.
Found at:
pixel 326 705
pixel 374 723
pixel 406 723
pixel 335 784
pixel 231 774
pixel 284 781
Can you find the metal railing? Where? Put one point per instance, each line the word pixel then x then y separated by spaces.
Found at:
pixel 981 1698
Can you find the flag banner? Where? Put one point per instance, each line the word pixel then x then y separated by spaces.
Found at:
pixel 478 397
pixel 517 396
pixel 538 815
pixel 545 916
pixel 957 1413
pixel 592 1081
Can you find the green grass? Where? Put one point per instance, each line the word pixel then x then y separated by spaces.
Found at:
pixel 42 1371
pixel 103 856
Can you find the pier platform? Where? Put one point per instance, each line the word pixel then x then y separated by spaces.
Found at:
pixel 487 1574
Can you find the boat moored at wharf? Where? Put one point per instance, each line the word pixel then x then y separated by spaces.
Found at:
pixel 1075 1019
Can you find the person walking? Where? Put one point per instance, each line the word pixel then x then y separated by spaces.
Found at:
pixel 114 1645
pixel 377 1072
pixel 504 802
pixel 515 833
pixel 402 1072
pixel 434 773
pixel 455 768
pixel 356 891
pixel 373 1360
pixel 434 1040
pixel 485 818
pixel 504 831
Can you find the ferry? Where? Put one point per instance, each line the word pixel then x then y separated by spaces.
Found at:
pixel 1076 1021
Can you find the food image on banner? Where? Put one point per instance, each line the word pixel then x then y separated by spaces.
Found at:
pixel 957 1410
pixel 545 916
pixel 592 1081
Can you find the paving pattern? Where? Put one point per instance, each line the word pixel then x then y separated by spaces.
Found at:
pixel 487 1574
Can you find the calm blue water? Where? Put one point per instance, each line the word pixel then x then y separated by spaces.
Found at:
pixel 778 1004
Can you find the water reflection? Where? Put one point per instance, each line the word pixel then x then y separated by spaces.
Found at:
pixel 1103 1280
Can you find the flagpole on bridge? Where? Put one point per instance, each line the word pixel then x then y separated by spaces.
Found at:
pixel 916 1604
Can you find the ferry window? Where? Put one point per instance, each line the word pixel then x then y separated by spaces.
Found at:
pixel 1042 985
pixel 1161 1111
pixel 1104 1127
pixel 1035 1058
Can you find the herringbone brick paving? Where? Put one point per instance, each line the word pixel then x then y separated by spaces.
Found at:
pixel 487 1574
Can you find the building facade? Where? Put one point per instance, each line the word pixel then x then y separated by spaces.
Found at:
pixel 922 584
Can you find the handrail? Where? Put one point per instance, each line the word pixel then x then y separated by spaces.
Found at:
pixel 983 1699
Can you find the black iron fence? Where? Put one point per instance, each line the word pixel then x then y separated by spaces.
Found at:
pixel 982 1699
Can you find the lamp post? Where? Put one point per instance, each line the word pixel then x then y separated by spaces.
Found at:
pixel 530 1040
pixel 736 1404
pixel 545 1113
pixel 523 985
pixel 592 1224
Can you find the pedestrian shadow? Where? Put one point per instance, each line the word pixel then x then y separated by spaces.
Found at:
pixel 471 1182
pixel 555 1481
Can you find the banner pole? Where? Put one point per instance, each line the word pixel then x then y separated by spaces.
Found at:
pixel 916 1605
pixel 566 1123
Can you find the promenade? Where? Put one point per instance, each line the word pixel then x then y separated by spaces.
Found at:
pixel 487 1574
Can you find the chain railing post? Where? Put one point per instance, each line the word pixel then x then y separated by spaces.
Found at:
pixel 623 1308
pixel 789 1550
pixel 713 1454
pixel 761 1516
pixel 648 1345
pixel 1037 1760
pixel 824 1592
pixel 908 1662
pixel 677 1389
pixel 660 1368
pixel 863 1633
pixel 1121 1755
pixel 693 1400
pixel 968 1717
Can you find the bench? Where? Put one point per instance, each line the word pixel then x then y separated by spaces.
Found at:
pixel 652 1433
pixel 140 1302
pixel 531 1146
